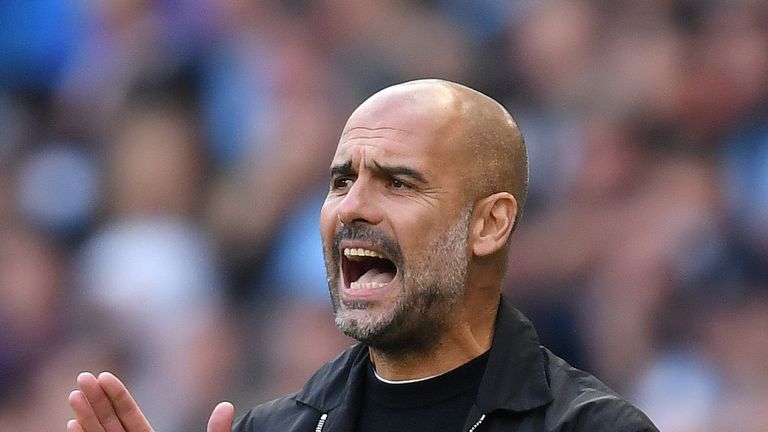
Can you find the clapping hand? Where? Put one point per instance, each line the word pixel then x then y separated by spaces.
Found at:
pixel 103 404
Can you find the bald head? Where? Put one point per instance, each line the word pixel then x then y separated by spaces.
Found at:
pixel 473 124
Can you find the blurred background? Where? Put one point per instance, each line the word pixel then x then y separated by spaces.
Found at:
pixel 163 162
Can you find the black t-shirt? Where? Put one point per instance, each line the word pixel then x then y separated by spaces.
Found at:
pixel 436 404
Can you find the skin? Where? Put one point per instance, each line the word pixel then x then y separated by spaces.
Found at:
pixel 385 181
pixel 103 404
pixel 421 165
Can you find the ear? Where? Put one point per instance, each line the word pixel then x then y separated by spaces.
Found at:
pixel 493 220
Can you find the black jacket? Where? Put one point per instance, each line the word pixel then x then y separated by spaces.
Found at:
pixel 525 388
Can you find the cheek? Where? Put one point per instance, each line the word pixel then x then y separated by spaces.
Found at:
pixel 415 235
pixel 418 232
pixel 328 221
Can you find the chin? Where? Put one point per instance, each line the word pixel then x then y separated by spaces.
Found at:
pixel 388 332
pixel 362 325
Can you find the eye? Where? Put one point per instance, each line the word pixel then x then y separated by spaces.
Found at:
pixel 341 183
pixel 398 184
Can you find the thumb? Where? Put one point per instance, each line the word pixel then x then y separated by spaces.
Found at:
pixel 221 418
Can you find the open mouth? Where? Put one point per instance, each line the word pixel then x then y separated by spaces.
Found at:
pixel 366 269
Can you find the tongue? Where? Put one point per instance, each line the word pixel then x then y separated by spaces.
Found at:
pixel 376 275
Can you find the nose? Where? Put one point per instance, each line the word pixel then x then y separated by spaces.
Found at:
pixel 360 205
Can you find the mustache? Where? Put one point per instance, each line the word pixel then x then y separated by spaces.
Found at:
pixel 364 232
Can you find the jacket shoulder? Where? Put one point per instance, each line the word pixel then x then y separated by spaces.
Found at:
pixel 301 411
pixel 276 414
pixel 583 403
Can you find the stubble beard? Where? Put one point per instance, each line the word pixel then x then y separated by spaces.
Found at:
pixel 431 288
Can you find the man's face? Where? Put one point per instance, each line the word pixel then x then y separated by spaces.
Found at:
pixel 394 228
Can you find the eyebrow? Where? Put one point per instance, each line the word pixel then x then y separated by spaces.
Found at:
pixel 399 171
pixel 345 169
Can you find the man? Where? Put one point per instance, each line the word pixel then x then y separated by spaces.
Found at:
pixel 426 186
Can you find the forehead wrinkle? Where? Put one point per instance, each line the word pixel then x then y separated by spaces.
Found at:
pixel 376 129
pixel 369 162
pixel 368 137
pixel 347 150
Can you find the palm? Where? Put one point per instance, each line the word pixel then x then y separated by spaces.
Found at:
pixel 103 404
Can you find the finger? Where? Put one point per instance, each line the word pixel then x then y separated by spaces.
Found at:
pixel 100 403
pixel 221 418
pixel 85 416
pixel 74 426
pixel 123 403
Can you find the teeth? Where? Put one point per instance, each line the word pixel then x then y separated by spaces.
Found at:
pixel 369 285
pixel 361 252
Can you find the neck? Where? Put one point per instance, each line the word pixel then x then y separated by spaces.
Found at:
pixel 469 338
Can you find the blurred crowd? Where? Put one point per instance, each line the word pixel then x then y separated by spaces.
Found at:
pixel 163 162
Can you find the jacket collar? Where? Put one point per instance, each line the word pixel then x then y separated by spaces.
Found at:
pixel 337 380
pixel 514 380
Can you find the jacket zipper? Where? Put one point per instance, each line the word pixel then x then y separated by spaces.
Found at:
pixel 480 420
pixel 320 423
